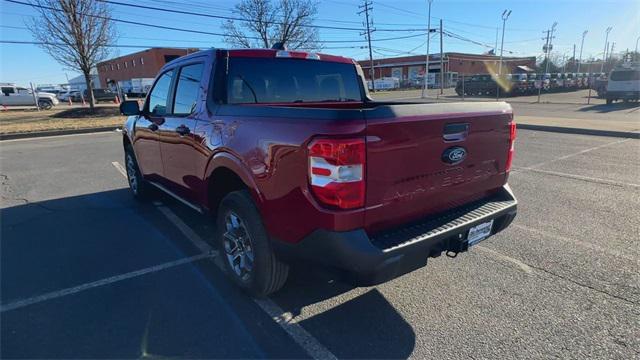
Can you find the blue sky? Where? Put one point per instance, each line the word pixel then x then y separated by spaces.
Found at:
pixel 474 20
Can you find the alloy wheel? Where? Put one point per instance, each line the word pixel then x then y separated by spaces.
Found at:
pixel 237 246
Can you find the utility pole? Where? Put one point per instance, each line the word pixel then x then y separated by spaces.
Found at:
pixel 366 7
pixel 606 55
pixel 505 16
pixel 425 79
pixel 613 45
pixel 636 52
pixel 574 57
pixel 441 62
pixel 581 45
pixel 547 49
pixel 606 45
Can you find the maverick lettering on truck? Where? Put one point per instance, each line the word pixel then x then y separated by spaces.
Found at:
pixel 296 162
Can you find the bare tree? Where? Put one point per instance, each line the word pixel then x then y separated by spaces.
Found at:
pixel 266 22
pixel 76 33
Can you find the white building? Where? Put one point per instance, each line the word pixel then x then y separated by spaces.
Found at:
pixel 78 83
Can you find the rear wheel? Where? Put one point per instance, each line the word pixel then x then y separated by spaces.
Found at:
pixel 139 187
pixel 45 104
pixel 245 247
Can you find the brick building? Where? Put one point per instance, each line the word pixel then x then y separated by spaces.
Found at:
pixel 143 64
pixel 411 68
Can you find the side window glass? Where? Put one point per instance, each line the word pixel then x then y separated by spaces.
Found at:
pixel 187 89
pixel 159 96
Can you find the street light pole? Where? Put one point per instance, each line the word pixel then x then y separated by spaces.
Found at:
pixel 606 41
pixel 635 55
pixel 581 45
pixel 505 16
pixel 426 68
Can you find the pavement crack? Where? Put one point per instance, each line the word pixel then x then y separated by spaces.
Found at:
pixel 582 285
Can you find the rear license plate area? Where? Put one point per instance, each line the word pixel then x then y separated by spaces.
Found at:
pixel 479 232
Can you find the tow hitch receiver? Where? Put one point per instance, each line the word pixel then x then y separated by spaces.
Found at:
pixel 455 245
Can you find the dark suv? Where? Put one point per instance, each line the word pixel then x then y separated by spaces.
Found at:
pixel 104 95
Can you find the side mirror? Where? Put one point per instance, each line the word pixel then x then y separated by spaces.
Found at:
pixel 130 107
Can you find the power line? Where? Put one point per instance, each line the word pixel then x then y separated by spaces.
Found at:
pixel 220 16
pixel 201 5
pixel 235 18
pixel 21 42
pixel 421 16
pixel 25 42
pixel 197 31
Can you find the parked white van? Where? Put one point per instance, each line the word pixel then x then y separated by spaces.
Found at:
pixel 624 83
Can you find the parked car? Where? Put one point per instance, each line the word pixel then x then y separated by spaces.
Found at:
pixel 520 84
pixel 18 96
pixel 104 95
pixel 624 83
pixel 476 85
pixel 297 162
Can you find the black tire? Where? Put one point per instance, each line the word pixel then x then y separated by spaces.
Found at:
pixel 140 188
pixel 45 104
pixel 267 274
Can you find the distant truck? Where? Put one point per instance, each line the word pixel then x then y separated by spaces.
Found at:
pixel 386 83
pixel 19 96
pixel 136 87
pixel 624 83
pixel 104 95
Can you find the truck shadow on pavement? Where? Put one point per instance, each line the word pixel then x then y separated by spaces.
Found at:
pixel 350 322
pixel 604 108
pixel 190 310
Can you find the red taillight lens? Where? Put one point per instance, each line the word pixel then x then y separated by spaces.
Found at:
pixel 512 139
pixel 336 172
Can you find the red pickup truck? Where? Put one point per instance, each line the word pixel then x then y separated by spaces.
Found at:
pixel 296 162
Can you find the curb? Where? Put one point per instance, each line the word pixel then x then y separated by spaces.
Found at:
pixel 579 131
pixel 48 133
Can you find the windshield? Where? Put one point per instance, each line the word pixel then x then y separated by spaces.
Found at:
pixel 253 80
pixel 625 75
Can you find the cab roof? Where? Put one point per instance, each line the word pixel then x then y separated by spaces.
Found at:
pixel 263 53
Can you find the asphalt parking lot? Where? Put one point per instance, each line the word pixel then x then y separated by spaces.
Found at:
pixel 87 272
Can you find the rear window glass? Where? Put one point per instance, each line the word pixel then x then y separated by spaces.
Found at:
pixel 260 80
pixel 625 75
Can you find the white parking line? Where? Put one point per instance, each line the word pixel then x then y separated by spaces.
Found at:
pixel 53 137
pixel 196 240
pixel 570 155
pixel 283 318
pixel 286 321
pixel 580 177
pixel 120 168
pixel 110 280
pixel 522 266
pixel 578 242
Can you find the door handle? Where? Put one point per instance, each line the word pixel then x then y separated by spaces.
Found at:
pixel 153 126
pixel 455 132
pixel 183 130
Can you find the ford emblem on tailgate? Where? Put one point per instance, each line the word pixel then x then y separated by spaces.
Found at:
pixel 454 155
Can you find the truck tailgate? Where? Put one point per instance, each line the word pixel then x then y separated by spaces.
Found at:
pixel 426 158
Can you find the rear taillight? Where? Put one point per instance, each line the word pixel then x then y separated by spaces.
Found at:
pixel 336 172
pixel 512 139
